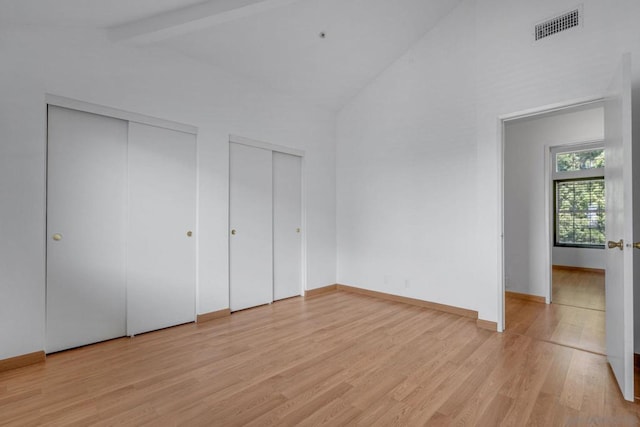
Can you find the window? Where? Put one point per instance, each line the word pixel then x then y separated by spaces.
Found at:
pixel 580 212
pixel 579 191
pixel 580 160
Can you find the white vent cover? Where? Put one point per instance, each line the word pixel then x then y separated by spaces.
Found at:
pixel 559 23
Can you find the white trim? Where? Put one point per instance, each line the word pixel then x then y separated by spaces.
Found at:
pixel 581 174
pixel 45 212
pixel 550 108
pixel 229 227
pixel 501 270
pixel 87 107
pixel 196 230
pixel 502 119
pixel 581 145
pixel 303 225
pixel 548 224
pixel 265 145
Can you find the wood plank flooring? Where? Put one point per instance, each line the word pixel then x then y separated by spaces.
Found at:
pixel 562 324
pixel 578 288
pixel 335 359
pixel 574 319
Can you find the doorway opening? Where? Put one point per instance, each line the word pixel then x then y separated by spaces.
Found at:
pixel 553 201
pixel 578 218
pixel 621 238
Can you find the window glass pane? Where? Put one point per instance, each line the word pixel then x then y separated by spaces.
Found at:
pixel 580 212
pixel 579 160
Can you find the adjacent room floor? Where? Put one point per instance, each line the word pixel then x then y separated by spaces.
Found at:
pixel 579 288
pixel 575 319
pixel 335 359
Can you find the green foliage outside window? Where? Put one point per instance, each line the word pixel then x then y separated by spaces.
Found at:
pixel 580 212
pixel 580 160
pixel 580 204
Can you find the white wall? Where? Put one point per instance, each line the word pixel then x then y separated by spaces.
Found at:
pixel 418 169
pixel 578 257
pixel 516 74
pixel 525 200
pixel 407 208
pixel 86 66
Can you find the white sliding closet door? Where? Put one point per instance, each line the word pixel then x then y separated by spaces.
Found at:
pixel 251 227
pixel 161 243
pixel 86 216
pixel 287 223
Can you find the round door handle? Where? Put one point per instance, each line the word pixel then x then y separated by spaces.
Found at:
pixel 189 233
pixel 57 237
pixel 233 231
pixel 636 245
pixel 613 245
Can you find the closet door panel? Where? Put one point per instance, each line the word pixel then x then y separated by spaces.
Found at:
pixel 287 223
pixel 160 251
pixel 86 224
pixel 251 227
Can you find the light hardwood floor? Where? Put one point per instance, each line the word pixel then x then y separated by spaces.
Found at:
pixel 578 288
pixel 568 321
pixel 575 319
pixel 335 359
pixel 561 324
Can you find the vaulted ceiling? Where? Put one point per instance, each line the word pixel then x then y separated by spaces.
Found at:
pixel 321 51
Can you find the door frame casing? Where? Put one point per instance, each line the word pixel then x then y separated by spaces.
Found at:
pixel 501 122
pixel 236 139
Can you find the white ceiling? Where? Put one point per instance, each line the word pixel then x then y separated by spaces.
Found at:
pixel 278 45
pixel 84 13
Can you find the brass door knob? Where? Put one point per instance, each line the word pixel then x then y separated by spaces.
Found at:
pixel 613 245
pixel 189 233
pixel 636 245
pixel 233 232
pixel 57 237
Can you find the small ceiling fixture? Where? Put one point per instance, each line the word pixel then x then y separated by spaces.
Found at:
pixel 322 35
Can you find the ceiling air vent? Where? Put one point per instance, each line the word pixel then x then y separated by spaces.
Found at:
pixel 557 24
